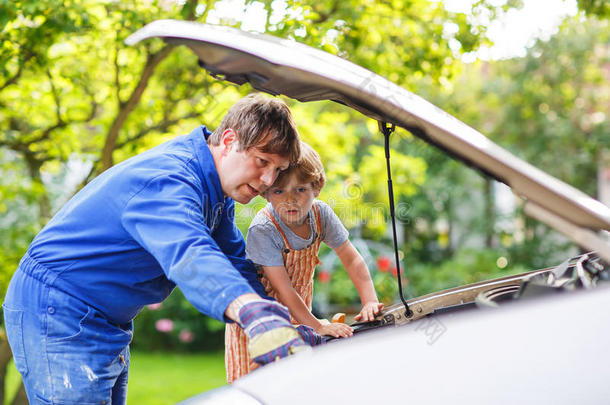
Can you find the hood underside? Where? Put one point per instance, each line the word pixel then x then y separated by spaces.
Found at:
pixel 279 66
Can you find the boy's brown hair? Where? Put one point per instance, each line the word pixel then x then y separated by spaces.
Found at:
pixel 309 169
pixel 261 122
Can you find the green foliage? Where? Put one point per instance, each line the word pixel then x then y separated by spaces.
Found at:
pixel 333 287
pixel 551 107
pixel 599 8
pixel 351 149
pixel 17 194
pixel 30 28
pixel 341 293
pixel 466 266
pixel 540 248
pixel 399 39
pixel 11 383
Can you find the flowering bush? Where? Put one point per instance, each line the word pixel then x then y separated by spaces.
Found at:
pixel 175 324
pixel 164 325
pixel 334 291
pixel 383 263
pixel 465 267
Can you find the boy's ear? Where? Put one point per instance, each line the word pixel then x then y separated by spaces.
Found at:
pixel 316 193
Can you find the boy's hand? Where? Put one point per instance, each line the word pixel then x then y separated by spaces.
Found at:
pixel 335 329
pixel 270 334
pixel 368 312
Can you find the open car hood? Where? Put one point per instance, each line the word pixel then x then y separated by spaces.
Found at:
pixel 280 66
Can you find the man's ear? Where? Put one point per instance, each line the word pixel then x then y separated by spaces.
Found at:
pixel 228 138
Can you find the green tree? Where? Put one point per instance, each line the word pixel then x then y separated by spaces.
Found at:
pixel 555 101
pixel 549 108
pixel 599 8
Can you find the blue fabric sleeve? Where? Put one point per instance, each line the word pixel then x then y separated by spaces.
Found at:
pixel 166 218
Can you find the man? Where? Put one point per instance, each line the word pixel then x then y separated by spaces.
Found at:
pixel 160 219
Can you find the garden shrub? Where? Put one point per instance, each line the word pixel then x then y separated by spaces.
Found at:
pixel 175 324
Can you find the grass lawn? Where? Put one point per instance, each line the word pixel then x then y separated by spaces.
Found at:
pixel 161 378
pixel 11 384
pixel 167 378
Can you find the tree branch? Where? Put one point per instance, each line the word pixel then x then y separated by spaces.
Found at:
pixel 111 138
pixel 61 123
pixel 325 16
pixel 17 75
pixel 192 5
pixel 21 145
pixel 162 126
pixel 55 97
pixel 94 104
pixel 12 79
pixel 117 81
pixel 268 11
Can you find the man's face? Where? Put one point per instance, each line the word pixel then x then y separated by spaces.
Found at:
pixel 246 174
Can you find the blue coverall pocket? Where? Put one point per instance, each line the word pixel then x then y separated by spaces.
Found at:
pixel 13 322
pixel 59 331
pixel 67 318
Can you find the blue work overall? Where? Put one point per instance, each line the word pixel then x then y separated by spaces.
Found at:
pixel 152 222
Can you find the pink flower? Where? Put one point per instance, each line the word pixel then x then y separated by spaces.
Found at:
pixel 154 307
pixel 164 325
pixel 186 336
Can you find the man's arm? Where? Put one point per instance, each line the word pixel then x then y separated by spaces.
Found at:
pixel 237 304
pixel 165 218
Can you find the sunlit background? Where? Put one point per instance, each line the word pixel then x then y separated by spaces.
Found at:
pixel 533 76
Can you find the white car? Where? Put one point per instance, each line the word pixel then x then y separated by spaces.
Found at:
pixel 537 337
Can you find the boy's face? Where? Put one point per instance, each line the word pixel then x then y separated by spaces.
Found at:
pixel 292 201
pixel 246 174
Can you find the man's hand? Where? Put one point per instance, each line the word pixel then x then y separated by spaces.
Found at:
pixel 270 334
pixel 310 336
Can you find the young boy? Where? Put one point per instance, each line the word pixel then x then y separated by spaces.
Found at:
pixel 284 239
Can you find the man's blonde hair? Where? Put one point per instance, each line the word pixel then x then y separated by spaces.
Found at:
pixel 309 169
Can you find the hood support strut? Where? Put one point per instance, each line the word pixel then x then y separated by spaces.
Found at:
pixel 387 131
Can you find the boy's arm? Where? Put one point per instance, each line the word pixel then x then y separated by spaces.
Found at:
pixel 278 277
pixel 359 273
